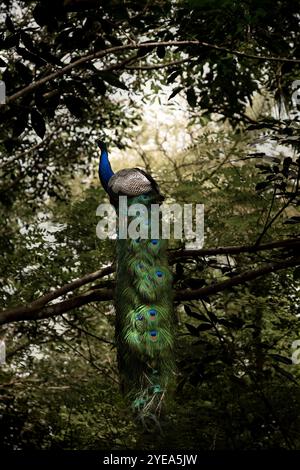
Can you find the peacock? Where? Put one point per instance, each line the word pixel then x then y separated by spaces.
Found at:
pixel 144 326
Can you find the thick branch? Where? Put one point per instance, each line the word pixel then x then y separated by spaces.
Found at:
pixel 13 158
pixel 189 294
pixel 72 286
pixel 37 313
pixel 176 255
pixel 144 45
pixel 37 306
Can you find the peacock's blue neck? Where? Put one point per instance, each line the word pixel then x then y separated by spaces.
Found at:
pixel 105 171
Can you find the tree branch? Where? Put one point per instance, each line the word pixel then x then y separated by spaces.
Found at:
pixel 35 312
pixel 189 294
pixel 35 307
pixel 157 66
pixel 30 312
pixel 13 158
pixel 40 310
pixel 176 255
pixel 143 45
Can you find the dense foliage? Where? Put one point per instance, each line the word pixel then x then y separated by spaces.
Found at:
pixel 235 64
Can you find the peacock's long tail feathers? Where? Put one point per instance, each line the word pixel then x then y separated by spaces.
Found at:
pixel 144 320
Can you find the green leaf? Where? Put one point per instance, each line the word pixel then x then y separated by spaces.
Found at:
pixel 38 123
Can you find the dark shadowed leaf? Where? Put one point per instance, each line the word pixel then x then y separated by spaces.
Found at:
pixel 99 85
pixel 28 42
pixel 173 75
pixel 286 374
pixel 9 24
pixel 113 80
pixel 179 270
pixel 212 317
pixel 24 72
pixel 75 105
pixel 11 41
pixel 99 44
pixel 20 124
pixel 34 58
pixel 191 313
pixel 38 123
pixel 192 329
pixel 145 50
pixel 261 185
pixel 293 220
pixel 161 51
pixel 205 299
pixel 296 273
pixel 205 327
pixel 283 359
pixel 175 92
pixel 191 97
pixel 194 283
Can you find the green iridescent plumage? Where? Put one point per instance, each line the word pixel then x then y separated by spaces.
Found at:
pixel 144 319
pixel 143 295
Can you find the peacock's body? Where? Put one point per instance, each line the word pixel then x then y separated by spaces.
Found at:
pixel 143 296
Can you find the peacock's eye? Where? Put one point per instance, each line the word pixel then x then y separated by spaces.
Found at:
pixel 152 312
pixel 153 333
pixel 154 242
pixel 159 274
